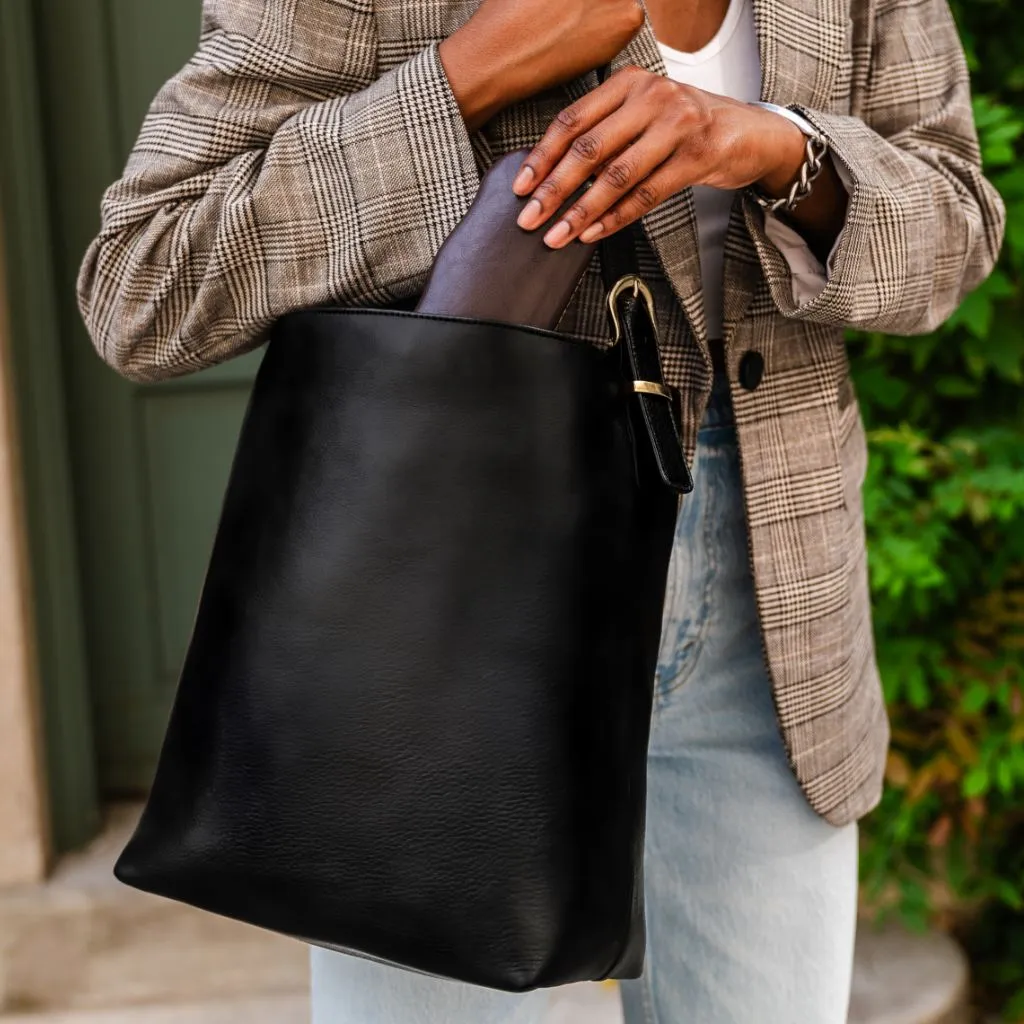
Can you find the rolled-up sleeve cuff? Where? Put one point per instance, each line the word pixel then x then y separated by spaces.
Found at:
pixel 443 152
pixel 809 277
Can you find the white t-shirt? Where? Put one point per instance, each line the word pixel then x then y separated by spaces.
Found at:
pixel 730 65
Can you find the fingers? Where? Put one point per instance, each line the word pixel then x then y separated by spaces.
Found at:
pixel 604 146
pixel 574 121
pixel 627 176
pixel 641 199
pixel 637 143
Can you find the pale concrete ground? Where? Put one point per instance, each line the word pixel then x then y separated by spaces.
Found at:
pixel 590 1005
pixel 83 949
pixel 270 1010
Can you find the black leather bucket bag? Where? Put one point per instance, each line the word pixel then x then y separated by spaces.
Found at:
pixel 413 719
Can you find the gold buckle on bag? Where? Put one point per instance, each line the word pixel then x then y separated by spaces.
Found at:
pixel 639 288
pixel 642 387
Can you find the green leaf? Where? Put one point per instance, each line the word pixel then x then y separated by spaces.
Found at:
pixel 1004 350
pixel 1010 183
pixel 875 386
pixel 957 387
pixel 975 698
pixel 975 313
pixel 1005 777
pixel 1014 1010
pixel 976 782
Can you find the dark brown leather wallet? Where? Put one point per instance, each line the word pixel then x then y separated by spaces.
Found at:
pixel 490 268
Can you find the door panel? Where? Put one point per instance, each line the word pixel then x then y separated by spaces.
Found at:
pixel 150 40
pixel 185 472
pixel 149 462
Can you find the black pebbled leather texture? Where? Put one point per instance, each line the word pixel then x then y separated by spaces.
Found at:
pixel 413 718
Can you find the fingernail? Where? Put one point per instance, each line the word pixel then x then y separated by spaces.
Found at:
pixel 529 217
pixel 523 180
pixel 592 232
pixel 558 234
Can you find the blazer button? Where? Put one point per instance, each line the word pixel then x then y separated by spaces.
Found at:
pixel 751 369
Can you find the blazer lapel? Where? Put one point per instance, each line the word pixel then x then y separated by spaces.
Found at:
pixel 804 47
pixel 671 228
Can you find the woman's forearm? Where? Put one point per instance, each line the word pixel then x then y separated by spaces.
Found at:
pixel 512 49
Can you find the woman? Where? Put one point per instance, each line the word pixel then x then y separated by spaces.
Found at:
pixel 319 151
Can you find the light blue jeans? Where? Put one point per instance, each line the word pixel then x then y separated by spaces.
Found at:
pixel 751 898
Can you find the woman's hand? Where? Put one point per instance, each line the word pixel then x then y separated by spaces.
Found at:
pixel 643 138
pixel 512 49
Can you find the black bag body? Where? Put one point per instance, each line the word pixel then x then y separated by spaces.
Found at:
pixel 413 719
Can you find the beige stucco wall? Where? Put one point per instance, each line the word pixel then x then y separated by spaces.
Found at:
pixel 23 822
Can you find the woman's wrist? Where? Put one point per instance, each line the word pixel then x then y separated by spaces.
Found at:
pixel 475 86
pixel 784 147
pixel 819 217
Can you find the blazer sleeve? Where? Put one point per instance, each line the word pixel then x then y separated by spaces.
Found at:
pixel 276 171
pixel 923 226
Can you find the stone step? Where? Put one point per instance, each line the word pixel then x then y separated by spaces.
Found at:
pixel 909 979
pixel 268 1010
pixel 578 1004
pixel 83 941
pixel 84 949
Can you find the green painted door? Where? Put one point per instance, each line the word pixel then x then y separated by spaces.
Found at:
pixel 149 463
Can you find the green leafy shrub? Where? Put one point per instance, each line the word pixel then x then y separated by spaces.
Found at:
pixel 944 501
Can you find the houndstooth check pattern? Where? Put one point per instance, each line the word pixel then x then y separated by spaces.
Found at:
pixel 311 153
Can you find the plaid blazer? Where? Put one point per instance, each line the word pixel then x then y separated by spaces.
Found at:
pixel 311 152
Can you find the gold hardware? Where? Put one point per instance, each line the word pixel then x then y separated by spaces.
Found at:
pixel 649 387
pixel 639 288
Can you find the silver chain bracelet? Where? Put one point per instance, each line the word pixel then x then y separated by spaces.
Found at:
pixel 816 149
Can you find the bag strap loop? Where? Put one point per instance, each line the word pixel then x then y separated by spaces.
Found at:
pixel 631 309
pixel 634 321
